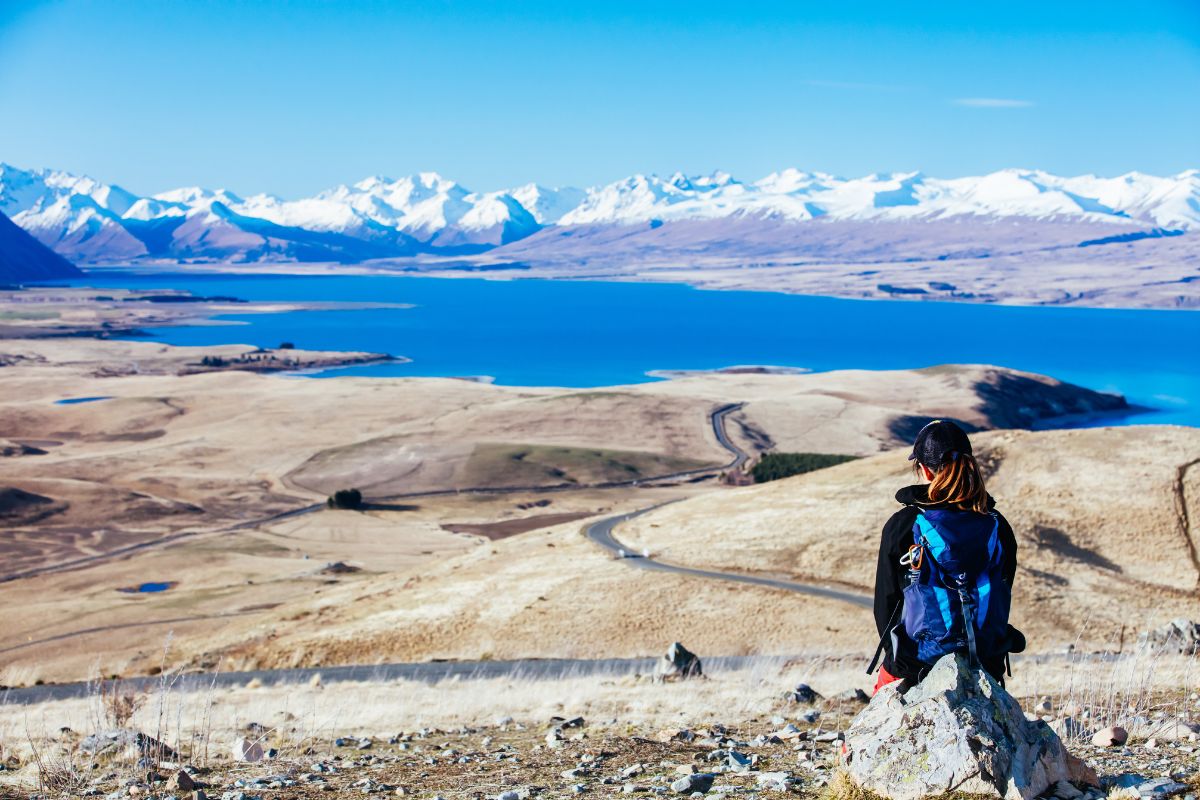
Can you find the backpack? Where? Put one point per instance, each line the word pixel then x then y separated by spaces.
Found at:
pixel 956 599
pixel 955 576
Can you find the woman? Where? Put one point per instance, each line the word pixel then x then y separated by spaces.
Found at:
pixel 947 557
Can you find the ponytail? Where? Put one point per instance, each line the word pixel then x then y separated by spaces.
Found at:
pixel 959 482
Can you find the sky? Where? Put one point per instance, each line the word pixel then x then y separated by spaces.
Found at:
pixel 294 97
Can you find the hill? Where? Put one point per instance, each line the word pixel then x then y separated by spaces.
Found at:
pixel 24 258
pixel 1106 550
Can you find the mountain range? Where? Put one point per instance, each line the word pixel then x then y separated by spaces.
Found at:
pixel 426 214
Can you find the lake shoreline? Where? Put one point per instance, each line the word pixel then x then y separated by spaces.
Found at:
pixel 716 280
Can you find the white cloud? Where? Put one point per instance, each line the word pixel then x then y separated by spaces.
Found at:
pixel 992 102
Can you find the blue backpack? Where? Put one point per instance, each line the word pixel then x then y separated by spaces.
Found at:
pixel 956 599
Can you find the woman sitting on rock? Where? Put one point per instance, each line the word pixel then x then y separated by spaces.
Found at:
pixel 946 567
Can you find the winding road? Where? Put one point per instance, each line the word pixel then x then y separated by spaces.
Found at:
pixel 602 533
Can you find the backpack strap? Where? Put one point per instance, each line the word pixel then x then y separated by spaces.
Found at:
pixel 983 585
pixel 932 541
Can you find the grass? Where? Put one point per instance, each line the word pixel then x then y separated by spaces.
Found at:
pixel 529 465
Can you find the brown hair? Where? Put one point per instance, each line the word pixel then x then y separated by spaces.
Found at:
pixel 959 482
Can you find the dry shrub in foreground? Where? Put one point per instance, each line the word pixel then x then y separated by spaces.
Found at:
pixel 842 787
pixel 119 703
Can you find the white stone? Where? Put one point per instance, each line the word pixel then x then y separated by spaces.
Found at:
pixel 957 731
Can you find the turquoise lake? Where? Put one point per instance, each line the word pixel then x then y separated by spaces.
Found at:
pixel 587 333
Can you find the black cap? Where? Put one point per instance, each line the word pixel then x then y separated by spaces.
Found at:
pixel 938 442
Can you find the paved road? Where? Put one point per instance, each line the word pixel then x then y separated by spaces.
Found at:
pixel 428 672
pixel 602 533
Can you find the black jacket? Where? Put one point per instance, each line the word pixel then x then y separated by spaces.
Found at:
pixel 890 576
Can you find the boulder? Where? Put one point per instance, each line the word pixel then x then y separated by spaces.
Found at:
pixel 130 742
pixel 679 663
pixel 1177 636
pixel 247 750
pixel 956 731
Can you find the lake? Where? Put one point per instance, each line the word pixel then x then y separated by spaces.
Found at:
pixel 590 333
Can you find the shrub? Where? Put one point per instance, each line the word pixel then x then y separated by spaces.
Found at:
pixel 773 466
pixel 349 499
pixel 287 346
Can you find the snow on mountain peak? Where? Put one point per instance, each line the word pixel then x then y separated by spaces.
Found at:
pixel 434 212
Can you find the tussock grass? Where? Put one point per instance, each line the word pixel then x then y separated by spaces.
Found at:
pixel 842 787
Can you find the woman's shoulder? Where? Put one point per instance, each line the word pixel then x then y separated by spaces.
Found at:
pixel 897 531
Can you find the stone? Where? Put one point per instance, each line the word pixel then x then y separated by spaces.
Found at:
pixel 774 781
pixel 679 664
pixel 128 740
pixel 698 782
pixel 181 781
pixel 1161 787
pixel 853 696
pixel 1065 790
pixel 247 750
pixel 957 731
pixel 803 694
pixel 1110 737
pixel 1177 636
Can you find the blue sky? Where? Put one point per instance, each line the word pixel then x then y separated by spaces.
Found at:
pixel 292 97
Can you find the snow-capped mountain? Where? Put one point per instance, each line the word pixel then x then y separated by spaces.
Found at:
pixel 426 213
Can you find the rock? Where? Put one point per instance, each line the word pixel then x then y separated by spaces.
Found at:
pixel 803 694
pixel 181 781
pixel 632 771
pixel 574 722
pixel 1177 636
pixel 679 664
pixel 247 750
pixel 1110 737
pixel 957 731
pixel 774 781
pixel 1065 790
pixel 508 796
pixel 125 739
pixel 853 696
pixel 1156 788
pixel 699 782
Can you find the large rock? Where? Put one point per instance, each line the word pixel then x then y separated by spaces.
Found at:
pixel 957 731
pixel 679 663
pixel 1177 636
pixel 128 741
